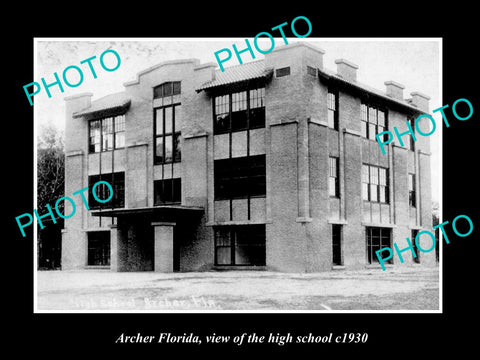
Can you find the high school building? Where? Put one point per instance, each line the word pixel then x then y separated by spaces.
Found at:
pixel 270 165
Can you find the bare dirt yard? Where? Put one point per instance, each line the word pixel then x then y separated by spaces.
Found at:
pixel 407 288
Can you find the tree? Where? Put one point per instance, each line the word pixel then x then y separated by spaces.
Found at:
pixel 436 221
pixel 50 187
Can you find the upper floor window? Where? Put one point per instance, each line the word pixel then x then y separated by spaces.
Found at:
pixel 167 89
pixel 168 126
pixel 106 134
pixel 116 181
pixel 239 111
pixel 332 106
pixel 373 121
pixel 411 143
pixel 168 191
pixel 333 183
pixel 375 184
pixel 282 71
pixel 411 190
pixel 239 177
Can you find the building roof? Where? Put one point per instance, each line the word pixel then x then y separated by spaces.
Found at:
pixel 117 101
pixel 256 69
pixel 367 88
pixel 238 73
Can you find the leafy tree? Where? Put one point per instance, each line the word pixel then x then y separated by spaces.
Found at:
pixel 50 187
pixel 436 221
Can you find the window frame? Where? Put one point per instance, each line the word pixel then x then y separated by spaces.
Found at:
pixel 411 142
pixel 176 188
pixel 230 173
pixel 366 112
pixel 101 238
pixel 254 231
pixel 335 120
pixel 173 134
pixel 248 112
pixel 116 181
pixel 176 89
pixel 414 233
pixel 335 177
pixel 370 247
pixel 281 72
pixel 375 184
pixel 412 193
pixel 337 244
pixel 101 135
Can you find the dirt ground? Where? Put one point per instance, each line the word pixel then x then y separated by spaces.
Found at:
pixel 407 288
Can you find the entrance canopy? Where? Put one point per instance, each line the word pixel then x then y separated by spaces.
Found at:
pixel 158 213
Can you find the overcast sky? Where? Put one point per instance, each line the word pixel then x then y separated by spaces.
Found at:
pixel 415 63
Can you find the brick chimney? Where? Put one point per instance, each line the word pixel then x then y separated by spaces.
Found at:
pixel 346 69
pixel 394 89
pixel 420 100
pixel 75 128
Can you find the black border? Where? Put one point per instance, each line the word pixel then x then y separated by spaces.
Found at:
pixel 89 334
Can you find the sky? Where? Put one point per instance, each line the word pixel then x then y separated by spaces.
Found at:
pixel 415 63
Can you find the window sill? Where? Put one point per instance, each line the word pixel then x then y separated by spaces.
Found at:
pixel 239 267
pixel 97 267
pixel 105 151
pixel 378 266
pixel 376 202
pixel 167 163
pixel 242 198
pixel 238 130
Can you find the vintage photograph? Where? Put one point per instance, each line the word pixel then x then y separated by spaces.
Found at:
pixel 164 184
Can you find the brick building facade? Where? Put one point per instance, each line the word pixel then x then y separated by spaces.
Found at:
pixel 271 165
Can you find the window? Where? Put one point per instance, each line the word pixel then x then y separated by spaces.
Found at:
pixel 332 105
pixel 167 89
pixel 106 134
pixel 282 72
pixel 168 126
pixel 412 198
pixel 257 108
pixel 337 244
pixel 377 238
pixel 373 121
pixel 333 179
pixel 98 248
pixel 237 178
pixel 383 185
pixel 116 181
pixel 414 245
pixel 411 143
pixel 240 245
pixel 239 111
pixel 168 191
pixel 311 71
pixel 375 184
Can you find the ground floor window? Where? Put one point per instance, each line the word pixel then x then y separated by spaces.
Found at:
pixel 337 244
pixel 377 238
pixel 414 245
pixel 240 245
pixel 99 248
